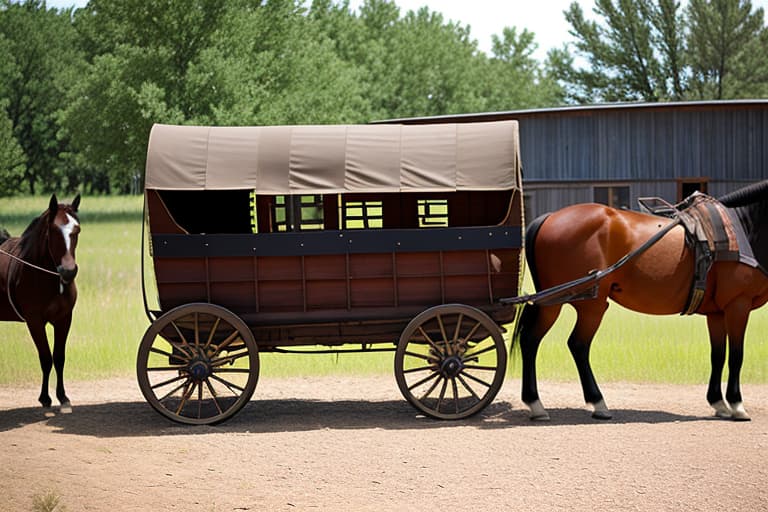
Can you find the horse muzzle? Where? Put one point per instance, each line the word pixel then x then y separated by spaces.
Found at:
pixel 67 275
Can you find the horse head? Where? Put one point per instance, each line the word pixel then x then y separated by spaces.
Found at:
pixel 63 231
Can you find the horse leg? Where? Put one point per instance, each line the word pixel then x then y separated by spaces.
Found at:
pixel 37 331
pixel 535 322
pixel 717 338
pixel 589 316
pixel 736 316
pixel 60 333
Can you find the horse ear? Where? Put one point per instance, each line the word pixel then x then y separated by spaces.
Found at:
pixel 53 207
pixel 76 203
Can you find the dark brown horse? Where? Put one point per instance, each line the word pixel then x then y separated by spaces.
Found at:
pixel 37 272
pixel 572 242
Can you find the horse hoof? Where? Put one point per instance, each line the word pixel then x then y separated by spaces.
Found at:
pixel 738 413
pixel 601 411
pixel 66 408
pixel 602 415
pixel 538 412
pixel 722 410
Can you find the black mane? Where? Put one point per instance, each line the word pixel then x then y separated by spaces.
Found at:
pixel 750 194
pixel 750 204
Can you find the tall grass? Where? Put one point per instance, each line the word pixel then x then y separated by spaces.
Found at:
pixel 109 321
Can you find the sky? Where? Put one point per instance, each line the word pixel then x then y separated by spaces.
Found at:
pixel 488 17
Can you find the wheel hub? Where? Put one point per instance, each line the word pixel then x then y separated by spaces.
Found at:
pixel 451 367
pixel 199 368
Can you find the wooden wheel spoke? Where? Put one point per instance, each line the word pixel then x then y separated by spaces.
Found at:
pixel 420 369
pixel 199 402
pixel 197 330
pixel 423 381
pixel 169 381
pixel 467 356
pixel 479 367
pixel 425 357
pixel 455 389
pixel 448 347
pixel 442 395
pixel 174 390
pixel 430 341
pixel 189 388
pixel 166 368
pixel 184 343
pixel 430 390
pixel 228 359
pixel 457 330
pixel 214 395
pixel 467 387
pixel 476 379
pixel 233 370
pixel 230 385
pixel 163 353
pixel 472 331
pixel 212 333
pixel 227 342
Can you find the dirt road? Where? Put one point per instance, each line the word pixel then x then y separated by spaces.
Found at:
pixel 355 444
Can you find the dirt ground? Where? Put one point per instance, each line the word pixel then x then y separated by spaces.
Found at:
pixel 355 444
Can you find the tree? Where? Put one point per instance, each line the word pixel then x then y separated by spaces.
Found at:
pixel 634 55
pixel 140 54
pixel 727 49
pixel 513 79
pixel 12 158
pixel 41 51
pixel 654 51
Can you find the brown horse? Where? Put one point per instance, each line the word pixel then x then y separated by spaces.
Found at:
pixel 37 272
pixel 572 242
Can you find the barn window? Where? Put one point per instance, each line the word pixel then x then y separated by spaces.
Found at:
pixel 617 197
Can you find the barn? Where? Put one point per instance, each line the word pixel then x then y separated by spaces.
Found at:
pixel 615 153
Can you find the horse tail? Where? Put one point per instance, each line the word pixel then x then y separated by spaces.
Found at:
pixel 530 313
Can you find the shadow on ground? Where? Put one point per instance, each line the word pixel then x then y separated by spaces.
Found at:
pixel 136 419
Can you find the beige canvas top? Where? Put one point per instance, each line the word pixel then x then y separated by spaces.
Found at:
pixel 335 158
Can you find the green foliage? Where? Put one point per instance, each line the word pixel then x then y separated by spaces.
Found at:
pixel 81 89
pixel 39 57
pixel 727 49
pixel 651 50
pixel 12 158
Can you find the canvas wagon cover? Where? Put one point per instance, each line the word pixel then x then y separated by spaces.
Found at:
pixel 335 158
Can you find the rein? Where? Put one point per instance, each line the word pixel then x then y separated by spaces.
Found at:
pixel 28 263
pixel 586 287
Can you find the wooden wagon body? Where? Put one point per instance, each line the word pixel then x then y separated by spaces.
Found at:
pixel 330 235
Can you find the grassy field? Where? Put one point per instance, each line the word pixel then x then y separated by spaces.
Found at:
pixel 110 321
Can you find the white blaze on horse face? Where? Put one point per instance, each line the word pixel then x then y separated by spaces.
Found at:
pixel 67 230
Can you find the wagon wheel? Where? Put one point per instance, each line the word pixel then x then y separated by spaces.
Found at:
pixel 450 361
pixel 198 364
